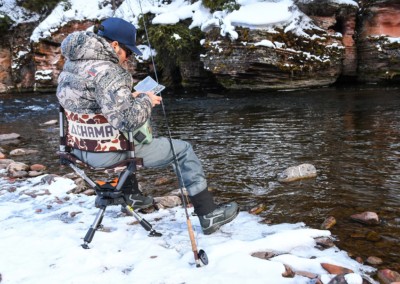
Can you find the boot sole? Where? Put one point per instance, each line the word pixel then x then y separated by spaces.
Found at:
pixel 215 227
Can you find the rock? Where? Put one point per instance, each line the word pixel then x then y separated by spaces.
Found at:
pixel 10 136
pixel 258 209
pixel 178 192
pixel 2 156
pixel 297 172
pixel 48 179
pixel 19 174
pixel 6 161
pixel 73 214
pixel 359 259
pixel 51 122
pixel 80 186
pixel 164 181
pixel 378 56
pixel 328 223
pixel 71 175
pixel 37 167
pixel 374 260
pixel 167 201
pixel 21 152
pixel 335 269
pixel 288 272
pixel 338 279
pixel 307 274
pixel 348 278
pixel 387 276
pixel 271 65
pixel 264 254
pixel 324 242
pixel 34 173
pixel 368 218
pixel 89 192
pixel 17 166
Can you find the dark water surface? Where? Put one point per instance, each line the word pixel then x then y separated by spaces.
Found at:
pixel 350 135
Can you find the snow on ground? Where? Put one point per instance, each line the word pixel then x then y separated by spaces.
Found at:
pixel 41 243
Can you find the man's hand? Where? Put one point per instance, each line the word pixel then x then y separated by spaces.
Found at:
pixel 155 100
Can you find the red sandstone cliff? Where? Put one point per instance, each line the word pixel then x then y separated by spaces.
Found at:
pixel 353 42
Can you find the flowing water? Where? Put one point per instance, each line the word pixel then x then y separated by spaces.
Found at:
pixel 350 135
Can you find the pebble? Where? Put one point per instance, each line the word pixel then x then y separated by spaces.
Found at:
pixel 22 152
pixel 328 223
pixel 368 218
pixel 374 260
pixel 289 273
pixel 37 167
pixel 6 161
pixel 9 136
pixel 34 173
pixel 167 201
pixel 346 279
pixel 387 276
pixel 19 174
pixel 73 214
pixel 51 122
pixel 264 254
pixel 164 181
pixel 335 269
pixel 307 274
pixel 17 166
pixel 324 242
pixel 258 209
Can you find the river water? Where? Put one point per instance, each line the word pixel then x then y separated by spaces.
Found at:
pixel 351 135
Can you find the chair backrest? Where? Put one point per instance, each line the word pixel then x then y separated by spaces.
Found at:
pixel 92 132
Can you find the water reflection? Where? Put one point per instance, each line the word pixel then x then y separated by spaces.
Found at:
pixel 351 136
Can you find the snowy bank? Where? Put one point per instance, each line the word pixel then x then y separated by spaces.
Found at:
pixel 42 237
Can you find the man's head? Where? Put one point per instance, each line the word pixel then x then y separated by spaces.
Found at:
pixel 122 32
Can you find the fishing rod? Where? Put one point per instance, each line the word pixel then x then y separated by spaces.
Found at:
pixel 200 256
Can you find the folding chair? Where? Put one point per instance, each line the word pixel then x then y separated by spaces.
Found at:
pixel 108 193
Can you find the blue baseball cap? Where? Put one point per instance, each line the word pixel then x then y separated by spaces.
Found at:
pixel 120 30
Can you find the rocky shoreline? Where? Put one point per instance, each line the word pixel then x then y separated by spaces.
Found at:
pixel 13 171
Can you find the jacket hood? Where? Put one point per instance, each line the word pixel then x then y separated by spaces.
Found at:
pixel 85 45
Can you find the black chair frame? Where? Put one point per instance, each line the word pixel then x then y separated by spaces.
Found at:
pixel 106 196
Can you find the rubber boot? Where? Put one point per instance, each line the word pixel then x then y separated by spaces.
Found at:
pixel 134 196
pixel 212 216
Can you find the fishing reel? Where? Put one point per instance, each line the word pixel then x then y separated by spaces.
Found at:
pixel 203 257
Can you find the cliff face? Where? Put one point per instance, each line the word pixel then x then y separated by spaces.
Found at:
pixel 47 56
pixel 288 61
pixel 347 41
pixel 379 53
pixel 273 60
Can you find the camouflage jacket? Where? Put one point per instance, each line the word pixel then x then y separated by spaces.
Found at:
pixel 92 82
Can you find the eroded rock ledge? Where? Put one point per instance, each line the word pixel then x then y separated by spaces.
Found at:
pixel 359 43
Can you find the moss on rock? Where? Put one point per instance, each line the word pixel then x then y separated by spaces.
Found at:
pixel 5 23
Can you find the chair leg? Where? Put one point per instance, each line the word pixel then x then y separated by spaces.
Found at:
pixel 143 222
pixel 96 224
